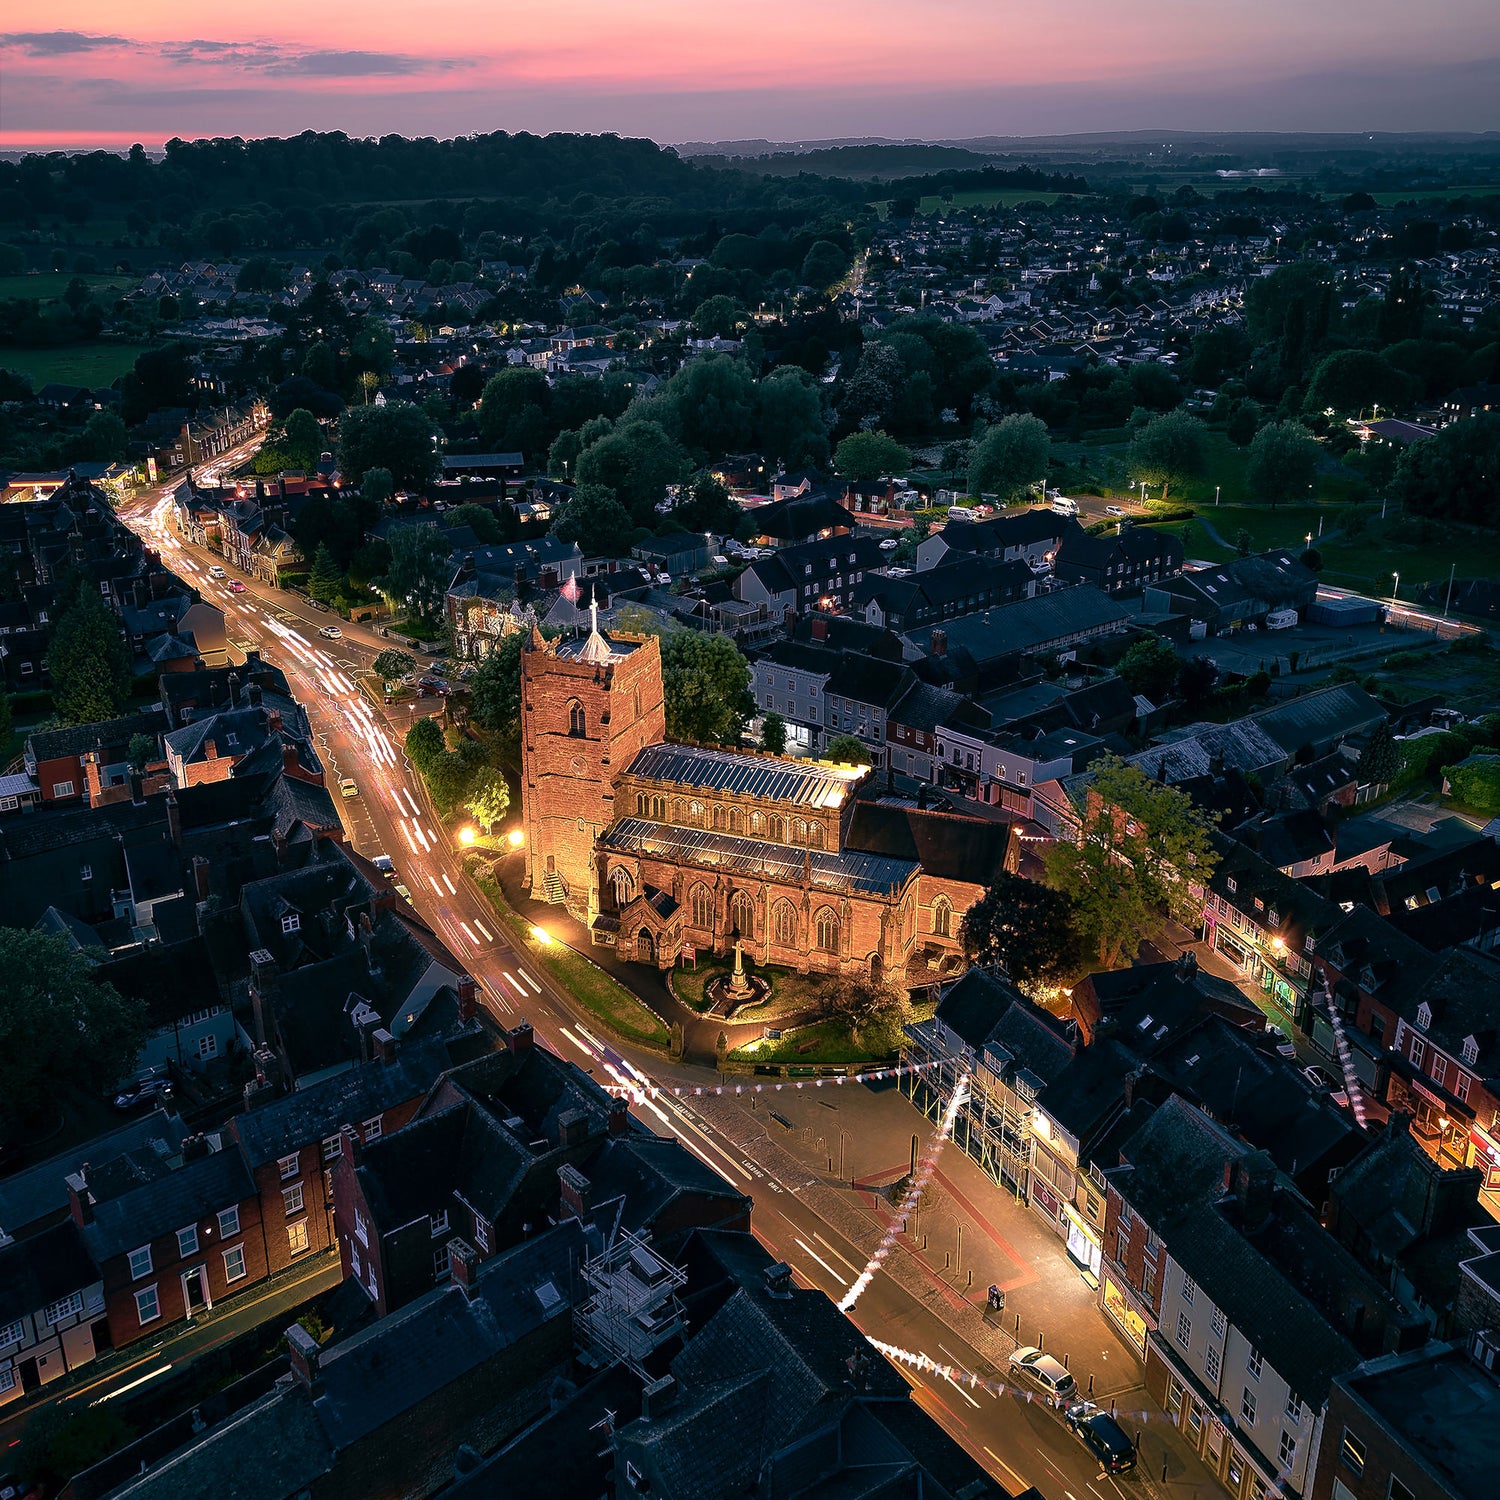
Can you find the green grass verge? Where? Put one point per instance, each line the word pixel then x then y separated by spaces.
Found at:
pixel 605 998
pixel 92 364
pixel 824 1042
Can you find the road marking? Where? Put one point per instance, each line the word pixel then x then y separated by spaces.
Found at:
pixel 819 1238
pixel 512 979
pixel 582 1046
pixel 434 885
pixel 961 1391
pixel 489 937
pixel 1017 1483
pixel 448 881
pixel 469 934
pixel 838 1280
pixel 529 980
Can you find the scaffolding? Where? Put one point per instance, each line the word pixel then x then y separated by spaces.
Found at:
pixel 634 1308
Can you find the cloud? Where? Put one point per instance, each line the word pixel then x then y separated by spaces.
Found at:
pixel 59 43
pixel 293 62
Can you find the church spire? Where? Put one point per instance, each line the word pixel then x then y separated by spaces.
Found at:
pixel 596 648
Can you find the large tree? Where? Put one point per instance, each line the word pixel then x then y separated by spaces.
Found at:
pixel 324 579
pixel 1168 450
pixel 791 426
pixel 1139 845
pixel 59 1025
pixel 1380 762
pixel 512 403
pixel 846 749
pixel 1025 928
pixel 706 686
pixel 1455 474
pixel 1150 667
pixel 420 572
pixel 636 462
pixel 495 689
pixel 393 665
pixel 1010 457
pixel 88 659
pixel 398 436
pixel 1283 463
pixel 1351 380
pixel 870 455
pixel 864 1004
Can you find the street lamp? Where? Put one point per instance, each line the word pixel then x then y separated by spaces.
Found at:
pixel 466 835
pixel 542 936
pixel 515 838
pixel 1395 586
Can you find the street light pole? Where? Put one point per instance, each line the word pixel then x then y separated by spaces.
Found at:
pixel 1447 604
pixel 1395 586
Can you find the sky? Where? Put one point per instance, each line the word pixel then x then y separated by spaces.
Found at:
pixel 87 72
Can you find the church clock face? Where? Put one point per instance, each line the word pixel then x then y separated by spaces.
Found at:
pixel 577 765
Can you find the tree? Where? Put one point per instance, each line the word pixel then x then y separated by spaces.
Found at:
pixel 495 689
pixel 377 486
pixel 1139 846
pixel 846 749
pixel 706 687
pixel 716 317
pixel 1283 463
pixel 1196 679
pixel 59 1025
pixel 424 743
pixel 712 404
pixel 864 1004
pixel 870 455
pixel 1243 542
pixel 1350 380
pixel 1380 762
pixel 509 400
pixel 636 462
pixel 89 661
pixel 1150 668
pixel 303 438
pixel 824 264
pixel 1454 473
pixel 1475 782
pixel 596 521
pixel 773 734
pixel 480 519
pixel 488 799
pixel 392 666
pixel 399 437
pixel 420 571
pixel 325 580
pixel 874 390
pixel 1024 928
pixel 1168 450
pixel 1010 457
pixel 104 439
pixel 7 724
pixel 141 750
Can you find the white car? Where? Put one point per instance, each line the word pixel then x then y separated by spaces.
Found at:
pixel 889 544
pixel 347 787
pixel 216 571
pixel 1114 510
pixel 1043 1371
pixel 330 632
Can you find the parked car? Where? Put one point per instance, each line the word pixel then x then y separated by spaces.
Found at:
pixel 403 893
pixel 148 1091
pixel 347 787
pixel 236 587
pixel 318 605
pixel 330 632
pixel 1103 1435
pixel 386 865
pixel 426 685
pixel 1320 1078
pixel 1114 510
pixel 1043 1371
pixel 889 544
pixel 216 571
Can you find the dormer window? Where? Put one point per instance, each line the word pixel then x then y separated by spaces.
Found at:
pixel 291 922
pixel 1424 1016
pixel 1231 884
pixel 1470 1051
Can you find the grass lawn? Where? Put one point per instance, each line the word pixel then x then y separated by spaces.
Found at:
pixel 1421 551
pixel 823 1042
pixel 1466 674
pixel 45 286
pixel 1423 195
pixel 978 198
pixel 94 364
pixel 790 992
pixel 606 1000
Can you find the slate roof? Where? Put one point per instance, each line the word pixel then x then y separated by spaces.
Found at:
pixel 803 782
pixel 1321 717
pixel 953 846
pixel 43 1269
pixel 972 1006
pixel 1027 625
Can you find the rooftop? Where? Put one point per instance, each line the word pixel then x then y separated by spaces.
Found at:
pixel 807 783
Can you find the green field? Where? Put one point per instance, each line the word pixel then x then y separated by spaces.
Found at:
pixel 93 364
pixel 1442 194
pixel 44 286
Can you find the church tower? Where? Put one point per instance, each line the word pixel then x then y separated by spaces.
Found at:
pixel 587 708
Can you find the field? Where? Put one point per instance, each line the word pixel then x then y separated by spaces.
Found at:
pixel 93 364
pixel 1442 194
pixel 44 286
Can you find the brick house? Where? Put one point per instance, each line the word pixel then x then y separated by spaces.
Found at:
pixel 51 1309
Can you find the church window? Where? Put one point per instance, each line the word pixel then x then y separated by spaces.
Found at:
pixel 815 835
pixel 623 884
pixel 576 722
pixel 721 816
pixel 695 813
pixel 942 917
pixel 736 820
pixel 701 903
pixel 799 831
pixel 784 920
pixel 778 829
pixel 828 930
pixel 757 823
pixel 742 910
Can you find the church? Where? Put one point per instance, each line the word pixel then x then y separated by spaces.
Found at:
pixel 672 851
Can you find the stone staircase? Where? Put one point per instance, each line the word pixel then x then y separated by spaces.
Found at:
pixel 554 891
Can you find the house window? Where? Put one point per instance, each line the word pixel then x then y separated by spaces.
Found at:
pixel 1148 1281
pixel 1219 1322
pixel 442 1265
pixel 1247 1407
pixel 291 922
pixel 1184 1329
pixel 482 1233
pixel 371 1128
pixel 1174 1397
pixel 360 1230
pixel 85 872
pixel 229 1223
pixel 62 788
pixel 1189 1289
pixel 1294 1408
pixel 291 1198
pixel 1211 1364
pixel 332 1145
pixel 1461 1088
pixel 439 1223
pixel 140 1262
pixel 828 930
pixel 66 1307
pixel 7 1378
pixel 1288 1453
pixel 187 1240
pixel 1253 1363
pixel 1231 884
pixel 942 917
pixel 1471 1051
pixel 10 1333
pixel 287 1165
pixel 1439 1069
pixel 234 1263
pixel 296 1236
pixel 208 1046
pixel 147 1305
pixel 1418 1051
pixel 1398 1489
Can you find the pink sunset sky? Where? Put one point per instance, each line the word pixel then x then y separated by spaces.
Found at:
pixel 83 72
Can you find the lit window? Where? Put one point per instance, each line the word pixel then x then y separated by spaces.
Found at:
pixel 296 1236
pixel 234 1263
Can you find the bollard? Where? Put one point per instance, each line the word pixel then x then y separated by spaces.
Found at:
pixel 947 1260
pixel 1041 1340
pixel 971 1278
pixel 1018 1328
pixel 1091 1385
pixel 1065 1361
pixel 1163 1471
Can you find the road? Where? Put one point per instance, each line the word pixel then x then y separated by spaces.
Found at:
pixel 1019 1442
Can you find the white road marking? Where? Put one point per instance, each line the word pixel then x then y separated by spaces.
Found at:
pixel 488 935
pixel 448 881
pixel 819 1238
pixel 469 934
pixel 839 1281
pixel 529 980
pixel 961 1391
pixel 434 885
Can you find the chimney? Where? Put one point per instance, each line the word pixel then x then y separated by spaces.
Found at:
pixel 351 1148
pixel 1187 966
pixel 80 1204
pixel 387 1047
pixel 619 1116
pixel 1255 1188
pixel 138 593
pixel 575 1191
pixel 211 749
pixel 572 1128
pixel 520 1038
pixel 659 1396
pixel 137 786
pixel 200 876
pixel 779 1281
pixel 252 694
pixel 463 1266
pixel 174 818
pixel 289 762
pixel 302 1349
pixel 819 627
pixel 273 719
pixel 194 1147
pixel 234 690
pixel 939 643
pixel 468 998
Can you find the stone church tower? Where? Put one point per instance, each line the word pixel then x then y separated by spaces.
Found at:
pixel 587 708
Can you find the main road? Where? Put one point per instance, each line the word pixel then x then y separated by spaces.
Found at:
pixel 1020 1442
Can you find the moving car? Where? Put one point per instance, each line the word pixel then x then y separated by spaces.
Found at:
pixel 347 787
pixel 1043 1371
pixel 147 1091
pixel 1320 1078
pixel 330 632
pixel 216 571
pixel 1101 1433
pixel 386 865
pixel 236 587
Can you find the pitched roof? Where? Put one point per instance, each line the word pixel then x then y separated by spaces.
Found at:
pixel 43 1269
pixel 953 846
pixel 806 783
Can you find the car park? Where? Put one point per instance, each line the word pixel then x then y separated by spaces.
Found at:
pixel 1043 1371
pixel 330 632
pixel 1102 1435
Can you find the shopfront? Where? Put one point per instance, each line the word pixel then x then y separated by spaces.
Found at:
pixel 1084 1245
pixel 1443 1123
pixel 1486 1156
pixel 1126 1313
